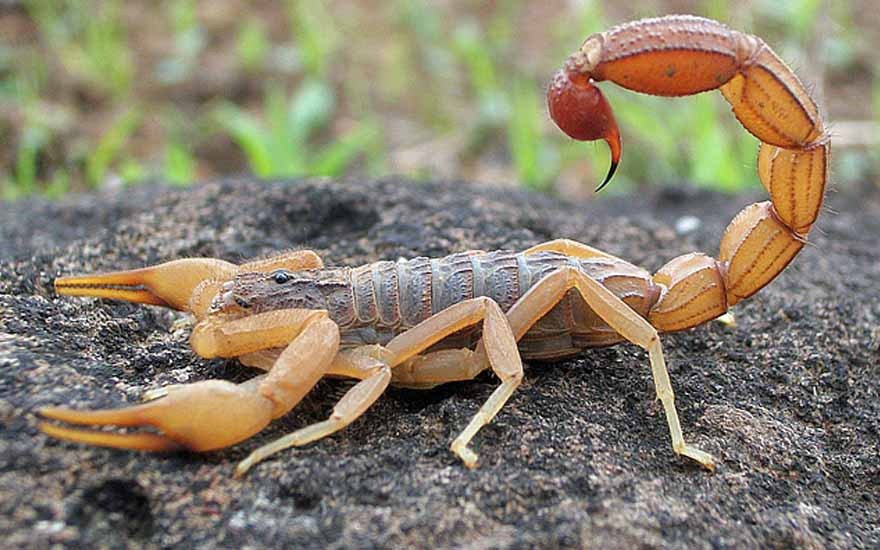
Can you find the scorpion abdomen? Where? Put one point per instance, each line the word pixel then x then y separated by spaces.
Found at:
pixel 388 297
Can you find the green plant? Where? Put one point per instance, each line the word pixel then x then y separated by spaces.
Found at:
pixel 110 145
pixel 314 34
pixel 282 143
pixel 535 158
pixel 511 106
pixel 189 41
pixel 252 44
pixel 90 43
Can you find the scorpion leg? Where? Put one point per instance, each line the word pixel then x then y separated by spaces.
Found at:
pixel 374 375
pixel 497 343
pixel 542 297
pixel 365 364
pixel 263 359
pixel 439 367
pixel 214 414
pixel 374 365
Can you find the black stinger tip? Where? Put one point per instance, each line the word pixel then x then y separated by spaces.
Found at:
pixel 611 171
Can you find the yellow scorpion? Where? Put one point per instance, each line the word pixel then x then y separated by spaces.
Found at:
pixel 423 322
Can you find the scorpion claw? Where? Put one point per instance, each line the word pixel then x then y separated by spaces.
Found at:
pixel 134 441
pixel 119 285
pixel 200 417
pixel 171 284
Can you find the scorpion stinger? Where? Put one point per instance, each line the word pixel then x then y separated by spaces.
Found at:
pixel 581 111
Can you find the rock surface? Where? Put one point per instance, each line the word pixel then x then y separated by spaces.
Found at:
pixel 788 401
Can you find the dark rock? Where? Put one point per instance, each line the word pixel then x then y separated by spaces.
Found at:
pixel 788 401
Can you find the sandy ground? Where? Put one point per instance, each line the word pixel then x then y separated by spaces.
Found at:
pixel 789 400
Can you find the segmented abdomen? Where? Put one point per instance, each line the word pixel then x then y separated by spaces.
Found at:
pixel 390 297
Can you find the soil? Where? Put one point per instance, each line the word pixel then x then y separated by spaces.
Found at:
pixel 788 400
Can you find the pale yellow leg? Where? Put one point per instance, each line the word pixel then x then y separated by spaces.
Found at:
pixel 418 372
pixel 374 365
pixel 421 371
pixel 216 336
pixel 439 367
pixel 263 359
pixel 500 348
pixel 542 297
pixel 375 376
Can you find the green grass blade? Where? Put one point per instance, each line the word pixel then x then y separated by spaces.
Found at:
pixel 110 145
pixel 249 135
pixel 180 166
pixel 335 158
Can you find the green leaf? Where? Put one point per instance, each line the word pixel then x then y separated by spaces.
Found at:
pixel 524 135
pixel 314 33
pixel 247 133
pixel 252 44
pixel 335 158
pixel 310 109
pixel 180 166
pixel 110 144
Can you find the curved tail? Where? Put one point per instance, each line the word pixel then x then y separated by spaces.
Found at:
pixel 683 55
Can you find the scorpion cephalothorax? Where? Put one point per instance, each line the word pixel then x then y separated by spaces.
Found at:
pixel 423 322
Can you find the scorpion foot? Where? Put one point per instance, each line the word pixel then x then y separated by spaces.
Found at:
pixel 702 457
pixel 466 455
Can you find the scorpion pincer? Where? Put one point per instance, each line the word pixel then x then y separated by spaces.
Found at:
pixel 423 322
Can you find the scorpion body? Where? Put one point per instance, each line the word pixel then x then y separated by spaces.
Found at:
pixel 373 303
pixel 424 322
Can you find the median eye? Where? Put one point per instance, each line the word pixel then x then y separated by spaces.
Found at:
pixel 280 276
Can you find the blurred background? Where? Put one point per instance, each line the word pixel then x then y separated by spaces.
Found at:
pixel 113 93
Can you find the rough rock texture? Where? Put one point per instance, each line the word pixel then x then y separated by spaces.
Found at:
pixel 789 400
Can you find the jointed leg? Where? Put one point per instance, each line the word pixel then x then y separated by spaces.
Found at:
pixel 498 344
pixel 263 359
pixel 542 297
pixel 365 363
pixel 375 363
pixel 439 367
pixel 375 376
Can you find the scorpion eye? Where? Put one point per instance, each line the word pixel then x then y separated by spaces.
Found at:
pixel 281 276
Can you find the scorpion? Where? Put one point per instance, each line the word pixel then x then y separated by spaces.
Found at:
pixel 423 322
